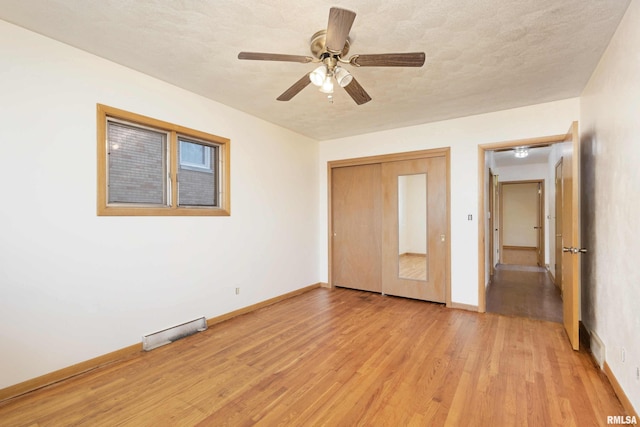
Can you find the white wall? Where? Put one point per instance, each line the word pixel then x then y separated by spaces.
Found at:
pixel 463 136
pixel 74 286
pixel 610 135
pixel 530 172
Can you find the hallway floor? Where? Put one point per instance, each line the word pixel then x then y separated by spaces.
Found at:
pixel 523 291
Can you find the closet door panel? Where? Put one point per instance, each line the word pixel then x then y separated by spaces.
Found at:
pixel 414 248
pixel 356 204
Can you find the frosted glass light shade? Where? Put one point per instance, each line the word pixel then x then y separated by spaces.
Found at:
pixel 343 77
pixel 327 86
pixel 318 76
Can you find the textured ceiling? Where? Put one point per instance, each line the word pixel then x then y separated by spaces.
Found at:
pixel 482 55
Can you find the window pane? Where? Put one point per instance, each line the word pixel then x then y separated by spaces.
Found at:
pixel 137 159
pixel 195 155
pixel 197 179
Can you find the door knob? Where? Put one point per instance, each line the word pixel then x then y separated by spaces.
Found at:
pixel 575 250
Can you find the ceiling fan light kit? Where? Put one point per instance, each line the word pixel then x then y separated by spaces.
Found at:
pixel 318 75
pixel 327 86
pixel 343 77
pixel 330 47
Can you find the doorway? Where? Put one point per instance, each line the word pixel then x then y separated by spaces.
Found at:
pixel 568 150
pixel 389 224
pixel 521 285
pixel 522 228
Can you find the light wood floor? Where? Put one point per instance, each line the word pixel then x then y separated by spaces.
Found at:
pixel 340 357
pixel 520 256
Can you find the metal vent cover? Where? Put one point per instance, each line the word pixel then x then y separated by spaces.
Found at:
pixel 174 333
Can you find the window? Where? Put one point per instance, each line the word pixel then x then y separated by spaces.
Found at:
pixel 197 182
pixel 150 167
pixel 194 155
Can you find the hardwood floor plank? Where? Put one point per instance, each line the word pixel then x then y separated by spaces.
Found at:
pixel 340 357
pixel 524 291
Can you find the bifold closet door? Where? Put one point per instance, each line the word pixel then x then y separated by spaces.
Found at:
pixel 414 225
pixel 356 203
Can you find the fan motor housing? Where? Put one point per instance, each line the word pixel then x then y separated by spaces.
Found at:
pixel 319 47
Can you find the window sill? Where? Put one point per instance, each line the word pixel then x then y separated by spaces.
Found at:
pixel 169 211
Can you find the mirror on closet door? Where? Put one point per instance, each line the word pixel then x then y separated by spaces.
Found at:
pixel 412 226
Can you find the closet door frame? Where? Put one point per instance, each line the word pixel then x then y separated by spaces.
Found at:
pixel 412 155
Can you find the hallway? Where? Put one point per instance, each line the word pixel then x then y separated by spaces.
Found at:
pixel 523 291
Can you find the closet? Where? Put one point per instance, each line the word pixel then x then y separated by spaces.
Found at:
pixel 389 224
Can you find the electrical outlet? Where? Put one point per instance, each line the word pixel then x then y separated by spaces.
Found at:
pixel 237 291
pixel 637 373
pixel 623 355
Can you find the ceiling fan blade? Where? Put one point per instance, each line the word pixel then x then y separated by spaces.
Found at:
pixel 295 88
pixel 413 59
pixel 340 22
pixel 359 95
pixel 259 56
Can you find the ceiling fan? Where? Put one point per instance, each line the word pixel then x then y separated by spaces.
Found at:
pixel 330 47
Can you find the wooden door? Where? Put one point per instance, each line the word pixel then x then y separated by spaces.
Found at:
pixel 558 223
pixel 492 219
pixel 496 253
pixel 356 203
pixel 414 234
pixel 571 234
pixel 540 225
pixel 520 223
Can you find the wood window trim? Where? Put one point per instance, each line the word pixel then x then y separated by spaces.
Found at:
pixel 104 209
